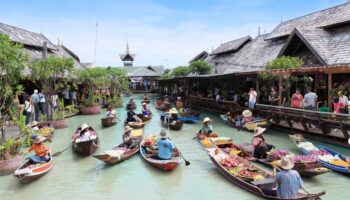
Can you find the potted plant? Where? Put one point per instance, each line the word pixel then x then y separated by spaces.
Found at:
pixel 90 105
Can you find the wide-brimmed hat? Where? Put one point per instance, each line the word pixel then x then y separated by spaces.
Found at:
pixel 173 111
pixel 84 126
pixel 39 139
pixel 247 113
pixel 144 103
pixel 206 119
pixel 258 131
pixel 33 123
pixel 127 129
pixel 287 162
pixel 163 134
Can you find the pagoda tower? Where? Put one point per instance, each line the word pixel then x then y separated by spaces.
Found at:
pixel 127 58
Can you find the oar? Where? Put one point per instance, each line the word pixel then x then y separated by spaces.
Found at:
pixel 187 163
pixel 60 152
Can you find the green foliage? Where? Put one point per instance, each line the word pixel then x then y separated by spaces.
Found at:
pixel 12 63
pixel 166 76
pixel 200 67
pixel 180 71
pixel 285 62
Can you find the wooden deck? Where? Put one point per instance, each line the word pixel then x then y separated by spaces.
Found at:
pixel 328 127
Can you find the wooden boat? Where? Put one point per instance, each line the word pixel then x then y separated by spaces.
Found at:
pixel 137 138
pixel 146 101
pixel 252 186
pixel 175 125
pixel 302 171
pixel 29 171
pixel 189 119
pixel 86 148
pixel 340 168
pixel 135 125
pixel 250 126
pixel 144 118
pixel 166 165
pixel 108 121
pixel 190 113
pixel 131 107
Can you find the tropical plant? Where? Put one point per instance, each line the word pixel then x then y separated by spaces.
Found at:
pixel 285 62
pixel 12 62
pixel 200 67
pixel 181 71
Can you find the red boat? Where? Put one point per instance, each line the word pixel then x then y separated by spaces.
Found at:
pixel 29 171
pixel 166 165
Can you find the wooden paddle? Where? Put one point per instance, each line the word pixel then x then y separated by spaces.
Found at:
pixel 60 152
pixel 187 163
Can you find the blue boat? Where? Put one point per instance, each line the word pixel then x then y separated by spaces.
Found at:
pixel 189 119
pixel 337 168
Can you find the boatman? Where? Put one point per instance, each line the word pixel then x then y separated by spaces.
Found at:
pixel 165 147
pixel 41 151
pixel 288 181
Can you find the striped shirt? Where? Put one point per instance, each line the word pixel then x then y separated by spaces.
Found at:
pixel 289 183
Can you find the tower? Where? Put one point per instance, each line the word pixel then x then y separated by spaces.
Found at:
pixel 127 58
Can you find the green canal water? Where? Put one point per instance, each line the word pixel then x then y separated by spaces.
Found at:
pixel 76 177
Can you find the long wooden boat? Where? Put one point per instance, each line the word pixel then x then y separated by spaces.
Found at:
pixel 135 125
pixel 173 126
pixel 108 121
pixel 144 118
pixel 250 126
pixel 29 171
pixel 252 187
pixel 190 113
pixel 86 148
pixel 303 172
pixel 166 165
pixel 137 138
pixel 342 167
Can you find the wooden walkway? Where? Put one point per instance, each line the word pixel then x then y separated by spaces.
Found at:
pixel 328 127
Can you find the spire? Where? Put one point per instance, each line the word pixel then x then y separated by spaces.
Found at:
pixel 127 46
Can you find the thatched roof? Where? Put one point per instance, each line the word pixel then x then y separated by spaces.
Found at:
pixel 201 56
pixel 321 19
pixel 149 71
pixel 231 46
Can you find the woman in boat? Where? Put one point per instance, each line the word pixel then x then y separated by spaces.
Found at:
pixel 159 102
pixel 40 149
pixel 145 97
pixel 111 112
pixel 207 128
pixel 145 110
pixel 165 147
pixel 247 116
pixel 288 181
pixel 260 148
pixel 127 139
pixel 85 133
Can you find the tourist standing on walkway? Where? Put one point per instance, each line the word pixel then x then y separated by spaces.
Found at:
pixel 297 99
pixel 252 98
pixel 65 94
pixel 343 102
pixel 273 96
pixel 310 100
pixel 36 101
pixel 27 110
pixel 73 96
pixel 284 96
pixel 42 103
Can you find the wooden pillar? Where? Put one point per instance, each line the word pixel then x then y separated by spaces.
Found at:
pixel 330 84
pixel 257 88
pixel 280 90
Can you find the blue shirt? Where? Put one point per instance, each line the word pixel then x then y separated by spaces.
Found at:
pixel 208 129
pixel 165 148
pixel 289 183
pixel 35 98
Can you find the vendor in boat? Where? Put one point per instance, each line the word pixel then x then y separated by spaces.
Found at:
pixel 111 112
pixel 165 147
pixel 85 133
pixel 159 102
pixel 127 138
pixel 132 117
pixel 166 99
pixel 207 128
pixel 171 116
pixel 34 125
pixel 260 148
pixel 145 110
pixel 145 97
pixel 247 116
pixel 40 149
pixel 288 181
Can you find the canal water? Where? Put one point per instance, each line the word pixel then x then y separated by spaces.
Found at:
pixel 76 177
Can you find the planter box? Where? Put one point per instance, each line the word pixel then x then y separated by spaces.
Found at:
pixel 9 166
pixel 94 110
pixel 57 124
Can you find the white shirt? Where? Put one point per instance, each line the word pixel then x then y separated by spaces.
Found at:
pixel 252 96
pixel 310 99
pixel 344 99
pixel 85 136
pixel 27 105
pixel 41 98
pixel 217 98
pixel 111 113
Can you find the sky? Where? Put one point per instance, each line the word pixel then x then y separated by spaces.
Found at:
pixel 168 33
